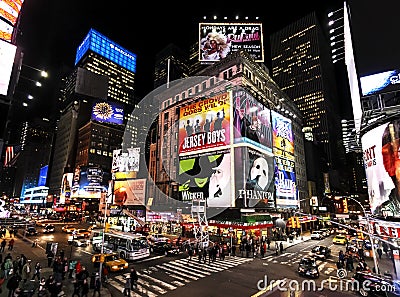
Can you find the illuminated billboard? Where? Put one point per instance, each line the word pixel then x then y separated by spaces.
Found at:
pixel 7 56
pixel 9 13
pixel 206 176
pixel 89 182
pixel 66 187
pixel 108 112
pixel 130 192
pixel 107 48
pixel 205 124
pixel 283 149
pixel 125 164
pixel 251 121
pixel 382 166
pixel 254 172
pixel 43 175
pixel 217 40
pixel 384 82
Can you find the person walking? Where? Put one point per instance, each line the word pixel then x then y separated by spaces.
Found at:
pixel 3 245
pixel 13 283
pixel 27 271
pixel 134 278
pixel 77 288
pixel 97 285
pixel 85 288
pixel 50 256
pixel 36 271
pixel 281 247
pixel 268 243
pixel 11 244
pixel 127 286
pixel 379 251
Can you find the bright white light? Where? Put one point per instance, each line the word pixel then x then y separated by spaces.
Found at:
pixel 30 97
pixel 44 73
pixel 38 84
pixel 25 104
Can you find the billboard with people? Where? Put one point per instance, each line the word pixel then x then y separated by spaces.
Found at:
pixel 218 40
pixel 382 166
pixel 205 124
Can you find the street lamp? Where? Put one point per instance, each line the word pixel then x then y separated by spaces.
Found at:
pixel 369 233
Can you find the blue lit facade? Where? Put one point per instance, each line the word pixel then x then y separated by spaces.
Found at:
pixel 108 49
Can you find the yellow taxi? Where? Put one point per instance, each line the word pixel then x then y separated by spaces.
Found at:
pixel 339 239
pixel 111 261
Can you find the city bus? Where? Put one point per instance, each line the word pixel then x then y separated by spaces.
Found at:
pixel 129 246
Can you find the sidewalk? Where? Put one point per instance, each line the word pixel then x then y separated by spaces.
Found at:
pixel 305 236
pixel 23 245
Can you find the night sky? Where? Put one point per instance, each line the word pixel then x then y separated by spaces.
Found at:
pixel 51 31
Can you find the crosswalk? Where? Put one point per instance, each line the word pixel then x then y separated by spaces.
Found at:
pixel 162 278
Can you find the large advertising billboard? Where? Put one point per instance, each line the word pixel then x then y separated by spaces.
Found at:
pixel 108 112
pixel 66 187
pixel 251 121
pixel 125 164
pixel 7 56
pixel 217 40
pixel 89 182
pixel 130 192
pixel 283 148
pixel 379 83
pixel 382 166
pixel 206 176
pixel 254 172
pixel 43 175
pixel 9 13
pixel 107 48
pixel 205 124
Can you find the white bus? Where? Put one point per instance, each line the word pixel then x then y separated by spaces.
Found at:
pixel 129 246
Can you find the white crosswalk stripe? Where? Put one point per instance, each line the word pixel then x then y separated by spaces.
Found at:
pixel 159 279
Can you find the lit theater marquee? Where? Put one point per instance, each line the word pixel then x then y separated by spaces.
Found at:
pixel 110 50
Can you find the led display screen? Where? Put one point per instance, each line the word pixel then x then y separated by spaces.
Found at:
pixel 384 82
pixel 125 163
pixel 251 121
pixel 43 175
pixel 7 55
pixel 89 182
pixel 108 112
pixel 66 187
pixel 130 192
pixel 10 9
pixel 110 50
pixel 217 40
pixel 382 166
pixel 205 124
pixel 206 176
pixel 283 149
pixel 254 173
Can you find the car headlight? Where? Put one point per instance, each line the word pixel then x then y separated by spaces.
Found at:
pixel 114 267
pixel 126 265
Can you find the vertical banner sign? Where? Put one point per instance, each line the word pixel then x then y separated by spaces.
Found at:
pixel 283 149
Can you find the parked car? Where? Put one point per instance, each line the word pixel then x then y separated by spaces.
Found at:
pixel 325 232
pixel 31 231
pixel 317 235
pixel 371 284
pixel 339 239
pixel 111 261
pixel 49 228
pixel 320 252
pixel 308 267
pixel 165 248
pixel 68 228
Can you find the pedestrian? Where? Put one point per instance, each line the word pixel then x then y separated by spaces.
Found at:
pixel 281 247
pixel 134 277
pixel 42 290
pixel 379 250
pixel 36 271
pixel 234 250
pixel 3 245
pixel 85 288
pixel 262 250
pixel 268 243
pixel 127 286
pixel 27 271
pixel 13 283
pixel 8 266
pixel 190 253
pixel 97 285
pixel 11 244
pixel 77 288
pixel 71 268
pixel 105 274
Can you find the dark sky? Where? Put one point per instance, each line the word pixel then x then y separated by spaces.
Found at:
pixel 51 30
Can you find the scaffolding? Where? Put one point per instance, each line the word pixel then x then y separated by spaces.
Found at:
pixel 200 223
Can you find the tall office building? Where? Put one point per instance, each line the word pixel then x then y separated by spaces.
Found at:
pixel 302 67
pixel 104 73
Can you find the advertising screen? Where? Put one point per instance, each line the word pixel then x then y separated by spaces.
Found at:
pixel 125 163
pixel 217 40
pixel 107 48
pixel 254 172
pixel 7 55
pixel 6 31
pixel 283 148
pixel 205 124
pixel 108 112
pixel 66 187
pixel 9 10
pixel 89 182
pixel 251 121
pixel 384 82
pixel 382 166
pixel 43 175
pixel 206 177
pixel 130 192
